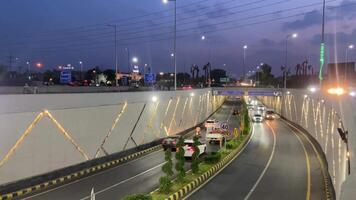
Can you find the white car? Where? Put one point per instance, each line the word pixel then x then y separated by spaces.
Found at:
pixel 270 115
pixel 257 118
pixel 189 150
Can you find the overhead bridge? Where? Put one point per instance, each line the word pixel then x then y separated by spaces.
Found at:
pixel 246 91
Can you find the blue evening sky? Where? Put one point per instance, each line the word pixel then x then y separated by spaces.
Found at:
pixel 58 32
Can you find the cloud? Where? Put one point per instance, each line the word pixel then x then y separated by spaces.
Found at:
pixel 310 19
pixel 268 42
pixel 346 10
pixel 217 11
pixel 341 38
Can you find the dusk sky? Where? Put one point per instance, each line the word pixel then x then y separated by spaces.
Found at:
pixel 58 32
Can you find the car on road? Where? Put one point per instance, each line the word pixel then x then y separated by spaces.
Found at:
pixel 170 142
pixel 235 112
pixel 270 115
pixel 189 150
pixel 257 118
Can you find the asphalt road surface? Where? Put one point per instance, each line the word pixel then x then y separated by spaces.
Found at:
pixel 278 163
pixel 137 176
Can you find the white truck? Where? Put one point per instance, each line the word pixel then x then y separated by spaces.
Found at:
pixel 213 131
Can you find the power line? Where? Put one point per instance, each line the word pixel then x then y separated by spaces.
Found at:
pixel 110 34
pixel 223 29
pixel 91 26
pixel 189 29
pixel 137 30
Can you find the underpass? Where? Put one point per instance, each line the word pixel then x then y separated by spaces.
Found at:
pixel 138 176
pixel 279 162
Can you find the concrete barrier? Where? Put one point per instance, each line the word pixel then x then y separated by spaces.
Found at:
pixel 321 115
pixel 42 133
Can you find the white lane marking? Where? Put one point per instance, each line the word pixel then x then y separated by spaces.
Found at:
pixel 124 181
pixel 218 172
pixel 105 171
pixel 230 114
pixel 266 167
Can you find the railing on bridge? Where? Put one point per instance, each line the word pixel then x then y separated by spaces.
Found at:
pixel 246 91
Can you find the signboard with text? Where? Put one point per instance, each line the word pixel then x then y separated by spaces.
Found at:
pixel 66 77
pixel 150 78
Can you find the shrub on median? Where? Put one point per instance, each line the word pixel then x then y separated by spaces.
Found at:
pixel 165 184
pixel 232 144
pixel 213 158
pixel 138 197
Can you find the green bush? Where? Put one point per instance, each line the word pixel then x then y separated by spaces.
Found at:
pixel 165 184
pixel 167 168
pixel 232 144
pixel 138 197
pixel 213 158
pixel 195 156
pixel 180 160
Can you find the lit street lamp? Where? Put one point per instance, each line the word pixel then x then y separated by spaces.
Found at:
pixel 175 41
pixel 294 35
pixel 135 60
pixel 203 38
pixel 29 70
pixel 81 70
pixel 39 65
pixel 244 60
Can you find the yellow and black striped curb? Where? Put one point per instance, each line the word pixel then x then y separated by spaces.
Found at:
pixel 327 187
pixel 205 177
pixel 77 175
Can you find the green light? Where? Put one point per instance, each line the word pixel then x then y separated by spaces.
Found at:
pixel 322 60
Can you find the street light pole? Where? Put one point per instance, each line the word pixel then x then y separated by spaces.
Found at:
pixel 322 48
pixel 116 58
pixel 243 62
pixel 81 70
pixel 294 35
pixel 175 44
pixel 175 41
pixel 128 59
pixel 29 70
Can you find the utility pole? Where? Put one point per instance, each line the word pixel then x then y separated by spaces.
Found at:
pixel 243 62
pixel 128 59
pixel 116 58
pixel 174 41
pixel 11 59
pixel 175 45
pixel 322 48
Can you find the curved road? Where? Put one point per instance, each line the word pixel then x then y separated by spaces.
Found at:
pixel 278 163
pixel 137 176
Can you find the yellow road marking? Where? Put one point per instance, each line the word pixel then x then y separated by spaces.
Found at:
pixel 316 152
pixel 308 165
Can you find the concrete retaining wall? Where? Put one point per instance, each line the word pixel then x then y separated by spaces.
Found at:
pixel 321 115
pixel 41 133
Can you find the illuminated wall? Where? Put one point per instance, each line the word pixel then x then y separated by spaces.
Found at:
pixel 321 116
pixel 41 133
